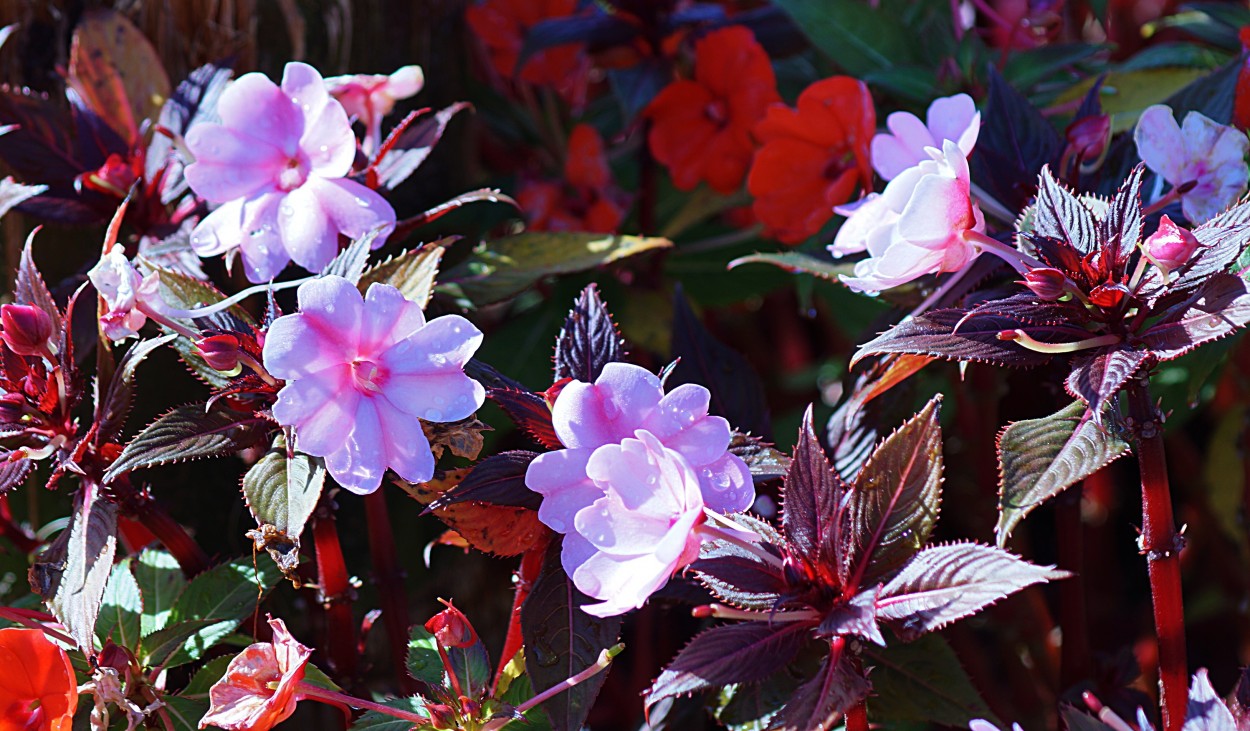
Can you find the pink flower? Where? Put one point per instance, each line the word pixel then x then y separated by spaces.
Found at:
pixel 362 372
pixel 277 164
pixel 1211 156
pixel 122 288
pixel 640 528
pixel 261 686
pixel 370 97
pixel 623 399
pixel 1170 246
pixel 915 227
pixel 953 118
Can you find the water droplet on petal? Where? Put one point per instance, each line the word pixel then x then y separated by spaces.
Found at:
pixel 362 202
pixel 433 415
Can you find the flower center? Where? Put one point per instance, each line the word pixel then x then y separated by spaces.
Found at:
pixel 368 376
pixel 717 111
pixel 293 175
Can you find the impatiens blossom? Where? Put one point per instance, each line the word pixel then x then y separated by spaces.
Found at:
pixel 277 163
pixel 585 200
pixel 640 528
pixel 502 25
pixel 917 226
pixel 1210 156
pixel 38 691
pixel 812 158
pixel 370 97
pixel 261 684
pixel 953 118
pixel 122 288
pixel 361 372
pixel 701 128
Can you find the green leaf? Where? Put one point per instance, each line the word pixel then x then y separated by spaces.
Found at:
pixel 283 492
pixel 223 596
pixel 503 267
pixel 206 676
pixel 160 648
pixel 921 681
pixel 423 661
pixel 160 582
pixel 188 293
pixel 411 272
pixel 1040 458
pixel 796 262
pixel 857 37
pixel 514 689
pixel 185 713
pixel 121 608
pixel 374 721
pixel 188 432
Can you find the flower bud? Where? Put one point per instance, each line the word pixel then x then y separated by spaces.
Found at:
pixel 1088 136
pixel 1108 295
pixel 26 329
pixel 1170 246
pixel 441 715
pixel 12 408
pixel 221 352
pixel 451 628
pixel 1047 283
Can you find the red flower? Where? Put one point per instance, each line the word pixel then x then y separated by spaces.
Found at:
pixel 38 691
pixel 701 129
pixel 261 684
pixel 812 157
pixel 502 25
pixel 587 201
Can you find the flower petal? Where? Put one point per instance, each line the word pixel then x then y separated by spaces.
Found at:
pixel 359 464
pixel 353 209
pixel 560 477
pixel 295 348
pixel 254 105
pixel 334 306
pixel 407 449
pixel 321 408
pixel 230 163
pixel 327 137
pixel 1160 143
pixel 445 342
pixel 307 230
pixel 726 484
pixel 389 317
pixel 441 396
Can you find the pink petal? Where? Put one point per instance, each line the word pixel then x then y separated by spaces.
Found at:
pixel 612 528
pixel 250 224
pixel 307 229
pixel 407 449
pixel 1160 144
pixel 334 306
pixel 677 410
pixel 938 212
pixel 231 164
pixel 255 106
pixel 726 485
pixel 404 82
pixel 435 396
pixel 389 318
pixel 327 137
pixel 359 464
pixel 702 442
pixel 954 118
pixel 295 348
pixel 642 479
pixel 579 418
pixel 625 582
pixel 560 477
pixel 445 342
pixel 852 237
pixel 321 407
pixel 894 153
pixel 354 209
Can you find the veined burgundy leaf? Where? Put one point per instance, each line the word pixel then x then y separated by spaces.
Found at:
pixel 72 573
pixel 111 411
pixel 13 193
pixel 562 641
pixel 31 289
pixel 812 500
pixel 1206 711
pixel 13 472
pixel 351 261
pixel 1039 458
pixel 1061 215
pixel 819 702
pixel 764 461
pixel 416 137
pixel 490 377
pixel 737 393
pixel 193 100
pixel 1222 242
pixel 1239 701
pixel 883 395
pixel 745 652
pixel 1025 308
pixel 895 500
pixel 1096 379
pixel 948 334
pixel 1220 307
pixel 1121 229
pixel 530 412
pixel 857 617
pixel 949 582
pixel 1012 149
pixel 738 576
pixel 412 272
pixel 189 432
pixel 588 340
pixel 499 480
pixel 481 195
pixel 600 29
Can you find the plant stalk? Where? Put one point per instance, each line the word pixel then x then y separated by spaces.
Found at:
pixel 389 578
pixel 1161 545
pixel 336 595
pixel 190 556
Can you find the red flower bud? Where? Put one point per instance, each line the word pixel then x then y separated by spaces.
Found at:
pixel 12 408
pixel 441 716
pixel 451 628
pixel 1088 136
pixel 26 329
pixel 1170 246
pixel 221 352
pixel 1047 283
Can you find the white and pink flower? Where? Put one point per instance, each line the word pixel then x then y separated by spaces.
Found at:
pixel 277 164
pixel 125 292
pixel 370 97
pixel 953 118
pixel 361 373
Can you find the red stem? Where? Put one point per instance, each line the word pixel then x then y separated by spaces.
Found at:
pixel 19 536
pixel 1162 546
pixel 392 589
pixel 336 595
pixel 1074 662
pixel 170 533
pixel 526 575
pixel 857 717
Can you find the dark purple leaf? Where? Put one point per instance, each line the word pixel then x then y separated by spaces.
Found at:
pixel 738 576
pixel 1121 229
pixel 1206 712
pixel 857 617
pixel 481 195
pixel 111 411
pixel 737 393
pixel 772 28
pixel 1239 701
pixel 194 100
pixel 764 461
pixel 921 682
pixel 1025 308
pixel 635 86
pixel 589 339
pixel 562 640
pixel 976 339
pixel 1062 216
pixel 1220 242
pixel 1096 379
pixel 30 287
pixel 949 582
pixel 1220 307
pixel 819 702
pixel 416 139
pixel 746 652
pixel 499 480
pixel 189 432
pixel 488 376
pixel 812 502
pixel 896 497
pixel 530 412
pixel 598 30
pixel 13 472
pixel 880 394
pixel 1014 148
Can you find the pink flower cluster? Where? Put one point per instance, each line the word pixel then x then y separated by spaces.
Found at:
pixel 362 372
pixel 277 164
pixel 634 455
pixel 1209 156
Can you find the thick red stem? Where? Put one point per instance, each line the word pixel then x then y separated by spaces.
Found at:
pixel 171 534
pixel 526 575
pixel 1161 545
pixel 336 596
pixel 857 717
pixel 19 536
pixel 1074 660
pixel 389 578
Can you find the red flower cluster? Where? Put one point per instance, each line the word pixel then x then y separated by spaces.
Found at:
pixel 812 158
pixel 701 129
pixel 502 25
pixel 587 201
pixel 38 691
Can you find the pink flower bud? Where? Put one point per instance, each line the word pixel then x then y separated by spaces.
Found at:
pixel 1047 283
pixel 1088 136
pixel 451 628
pixel 1171 245
pixel 221 352
pixel 26 329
